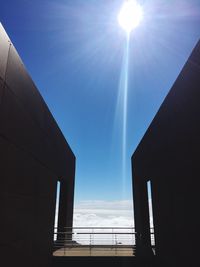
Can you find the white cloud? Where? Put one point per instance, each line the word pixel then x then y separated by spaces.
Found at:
pixel 97 213
pixel 104 214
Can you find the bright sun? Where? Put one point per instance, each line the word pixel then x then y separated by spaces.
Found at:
pixel 130 15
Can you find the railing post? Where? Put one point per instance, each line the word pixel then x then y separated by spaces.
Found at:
pixel 90 244
pixel 112 237
pixel 115 244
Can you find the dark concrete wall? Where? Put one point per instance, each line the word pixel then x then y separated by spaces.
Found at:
pixel 33 156
pixel 168 155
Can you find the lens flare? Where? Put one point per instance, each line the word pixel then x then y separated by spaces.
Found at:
pixel 125 106
pixel 130 15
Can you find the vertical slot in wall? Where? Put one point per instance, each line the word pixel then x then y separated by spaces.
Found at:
pixel 151 221
pixel 56 210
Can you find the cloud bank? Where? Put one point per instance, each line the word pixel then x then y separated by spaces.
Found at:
pixel 100 213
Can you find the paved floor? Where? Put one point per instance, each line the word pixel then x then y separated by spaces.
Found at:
pixel 95 251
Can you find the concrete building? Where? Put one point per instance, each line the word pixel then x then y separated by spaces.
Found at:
pixel 169 156
pixel 34 155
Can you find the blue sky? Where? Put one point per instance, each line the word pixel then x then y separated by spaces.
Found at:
pixel 74 49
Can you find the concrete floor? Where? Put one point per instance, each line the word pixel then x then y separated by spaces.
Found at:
pixel 95 251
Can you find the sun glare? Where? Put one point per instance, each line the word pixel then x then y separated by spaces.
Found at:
pixel 130 15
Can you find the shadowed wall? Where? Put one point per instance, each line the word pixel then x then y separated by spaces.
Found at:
pixel 33 156
pixel 169 156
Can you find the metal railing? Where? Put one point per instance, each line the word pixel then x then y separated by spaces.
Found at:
pixel 94 240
